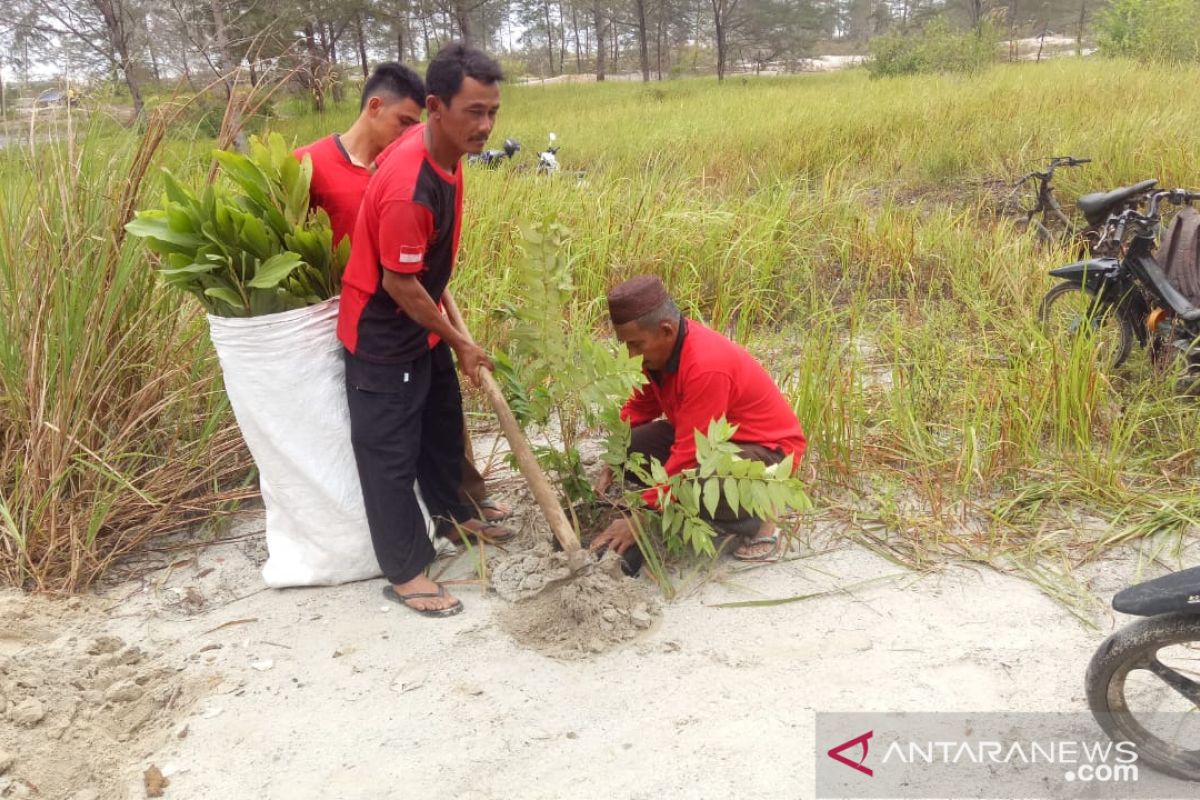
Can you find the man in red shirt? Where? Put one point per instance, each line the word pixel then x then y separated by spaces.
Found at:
pixel 405 404
pixel 695 375
pixel 393 99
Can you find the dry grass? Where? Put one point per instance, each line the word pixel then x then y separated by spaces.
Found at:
pixel 114 424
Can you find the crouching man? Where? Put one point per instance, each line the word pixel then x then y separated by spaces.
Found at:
pixel 695 375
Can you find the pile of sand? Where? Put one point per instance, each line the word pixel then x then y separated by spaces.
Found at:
pixel 569 615
pixel 78 705
pixel 524 573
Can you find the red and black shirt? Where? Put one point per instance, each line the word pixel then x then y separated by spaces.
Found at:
pixel 708 377
pixel 337 183
pixel 409 223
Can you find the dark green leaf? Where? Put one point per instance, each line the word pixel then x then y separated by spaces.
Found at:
pixel 731 494
pixel 712 495
pixel 274 270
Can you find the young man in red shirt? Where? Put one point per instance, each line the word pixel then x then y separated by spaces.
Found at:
pixel 393 99
pixel 405 404
pixel 695 375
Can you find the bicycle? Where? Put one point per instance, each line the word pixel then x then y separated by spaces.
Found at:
pixel 1095 207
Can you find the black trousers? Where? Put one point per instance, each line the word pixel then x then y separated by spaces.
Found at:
pixel 654 439
pixel 406 425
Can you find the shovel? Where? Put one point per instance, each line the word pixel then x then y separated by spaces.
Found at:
pixel 527 463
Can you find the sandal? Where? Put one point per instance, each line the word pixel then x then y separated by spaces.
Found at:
pixel 390 593
pixel 493 511
pixel 488 533
pixel 741 551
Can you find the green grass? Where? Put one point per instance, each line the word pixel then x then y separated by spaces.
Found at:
pixel 843 229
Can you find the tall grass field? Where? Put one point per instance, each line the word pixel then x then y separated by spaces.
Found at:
pixel 844 229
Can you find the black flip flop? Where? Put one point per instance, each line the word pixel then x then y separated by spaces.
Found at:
pixel 770 555
pixel 456 533
pixel 488 503
pixel 391 594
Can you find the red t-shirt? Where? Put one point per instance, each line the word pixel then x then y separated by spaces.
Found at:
pixel 409 222
pixel 714 378
pixel 337 184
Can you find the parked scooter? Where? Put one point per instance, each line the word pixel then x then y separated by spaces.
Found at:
pixel 493 158
pixel 1117 299
pixel 548 158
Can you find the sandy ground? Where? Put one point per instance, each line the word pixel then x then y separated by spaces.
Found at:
pixel 190 667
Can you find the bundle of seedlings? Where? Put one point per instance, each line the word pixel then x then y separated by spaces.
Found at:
pixel 251 247
pixel 266 269
pixel 558 378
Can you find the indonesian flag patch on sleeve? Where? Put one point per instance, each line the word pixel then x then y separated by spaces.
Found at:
pixel 411 255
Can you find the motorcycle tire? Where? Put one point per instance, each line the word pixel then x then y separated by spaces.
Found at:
pixel 1108 313
pixel 1136 647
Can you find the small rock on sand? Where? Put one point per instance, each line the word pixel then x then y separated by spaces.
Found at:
pixel 154 781
pixel 28 713
pixel 123 692
pixel 105 644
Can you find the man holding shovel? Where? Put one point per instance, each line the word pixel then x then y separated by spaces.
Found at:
pixel 404 398
pixel 393 99
pixel 695 375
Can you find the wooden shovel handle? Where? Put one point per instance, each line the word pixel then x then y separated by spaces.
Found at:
pixel 547 500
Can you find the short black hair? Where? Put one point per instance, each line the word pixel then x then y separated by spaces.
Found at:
pixel 394 79
pixel 453 62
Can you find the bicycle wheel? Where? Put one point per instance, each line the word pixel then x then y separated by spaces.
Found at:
pixel 1141 685
pixel 1069 311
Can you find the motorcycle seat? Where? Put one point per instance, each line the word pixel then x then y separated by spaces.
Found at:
pixel 1097 205
pixel 1179 591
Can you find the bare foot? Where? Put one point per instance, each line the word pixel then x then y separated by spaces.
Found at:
pixel 422 584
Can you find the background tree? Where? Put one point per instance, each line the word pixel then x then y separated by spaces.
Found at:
pixel 109 29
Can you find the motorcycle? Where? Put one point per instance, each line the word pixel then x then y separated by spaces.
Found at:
pixel 548 158
pixel 493 158
pixel 1117 298
pixel 1151 668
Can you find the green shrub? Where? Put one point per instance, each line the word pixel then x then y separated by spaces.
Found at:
pixel 936 48
pixel 1160 31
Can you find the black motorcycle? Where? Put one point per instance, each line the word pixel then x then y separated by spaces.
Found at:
pixel 1143 683
pixel 1115 299
pixel 493 158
